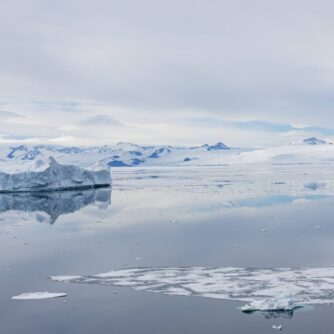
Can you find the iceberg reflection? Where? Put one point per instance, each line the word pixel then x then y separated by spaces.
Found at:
pixel 48 206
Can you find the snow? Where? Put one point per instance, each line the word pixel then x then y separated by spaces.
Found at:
pixel 310 150
pixel 289 154
pixel 46 174
pixel 39 295
pixel 274 289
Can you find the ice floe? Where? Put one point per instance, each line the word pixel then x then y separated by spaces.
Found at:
pixel 262 288
pixel 39 295
pixel 278 327
pixel 282 303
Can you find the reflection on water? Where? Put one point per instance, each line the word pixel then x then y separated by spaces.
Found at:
pixel 171 219
pixel 48 206
pixel 278 314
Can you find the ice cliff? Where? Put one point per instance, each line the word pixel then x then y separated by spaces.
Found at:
pixel 46 174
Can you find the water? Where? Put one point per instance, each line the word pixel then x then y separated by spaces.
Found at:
pixel 247 217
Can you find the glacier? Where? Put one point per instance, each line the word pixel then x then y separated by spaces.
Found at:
pixel 46 174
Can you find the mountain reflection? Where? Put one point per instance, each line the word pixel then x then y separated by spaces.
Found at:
pixel 48 206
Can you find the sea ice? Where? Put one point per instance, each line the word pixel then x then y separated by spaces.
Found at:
pixel 263 289
pixel 38 295
pixel 64 278
pixel 283 303
pixel 278 327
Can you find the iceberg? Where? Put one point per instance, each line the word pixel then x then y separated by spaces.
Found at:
pixel 46 174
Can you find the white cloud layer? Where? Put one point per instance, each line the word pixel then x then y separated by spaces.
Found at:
pixel 98 72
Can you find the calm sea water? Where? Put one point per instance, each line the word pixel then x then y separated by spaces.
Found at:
pixel 255 216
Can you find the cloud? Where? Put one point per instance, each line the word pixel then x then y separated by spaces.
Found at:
pixel 78 63
pixel 101 120
pixel 6 115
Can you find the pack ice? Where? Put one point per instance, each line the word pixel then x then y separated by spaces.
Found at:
pixel 46 174
pixel 270 289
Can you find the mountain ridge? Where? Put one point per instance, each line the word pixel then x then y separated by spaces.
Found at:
pixel 124 154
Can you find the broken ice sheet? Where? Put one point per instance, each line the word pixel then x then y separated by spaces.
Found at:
pixel 281 303
pixel 261 288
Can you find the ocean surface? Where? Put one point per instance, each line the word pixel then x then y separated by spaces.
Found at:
pixel 252 217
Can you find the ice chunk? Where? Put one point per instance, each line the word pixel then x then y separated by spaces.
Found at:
pixel 46 174
pixel 64 278
pixel 283 303
pixel 39 295
pixel 278 327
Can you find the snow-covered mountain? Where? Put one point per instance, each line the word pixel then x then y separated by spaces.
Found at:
pixel 310 150
pixel 314 141
pixel 119 155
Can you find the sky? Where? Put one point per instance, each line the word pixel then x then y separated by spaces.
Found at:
pixel 249 73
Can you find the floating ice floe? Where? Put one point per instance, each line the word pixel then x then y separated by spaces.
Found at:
pixel 278 327
pixel 261 288
pixel 39 295
pixel 46 174
pixel 282 303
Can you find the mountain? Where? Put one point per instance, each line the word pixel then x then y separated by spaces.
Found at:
pixel 310 150
pixel 314 141
pixel 215 147
pixel 119 155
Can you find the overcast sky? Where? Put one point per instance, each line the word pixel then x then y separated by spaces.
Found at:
pixel 248 73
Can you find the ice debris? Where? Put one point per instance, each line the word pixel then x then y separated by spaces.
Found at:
pixel 262 289
pixel 38 295
pixel 278 327
pixel 282 303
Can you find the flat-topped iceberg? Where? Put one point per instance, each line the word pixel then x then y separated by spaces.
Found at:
pixel 46 174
